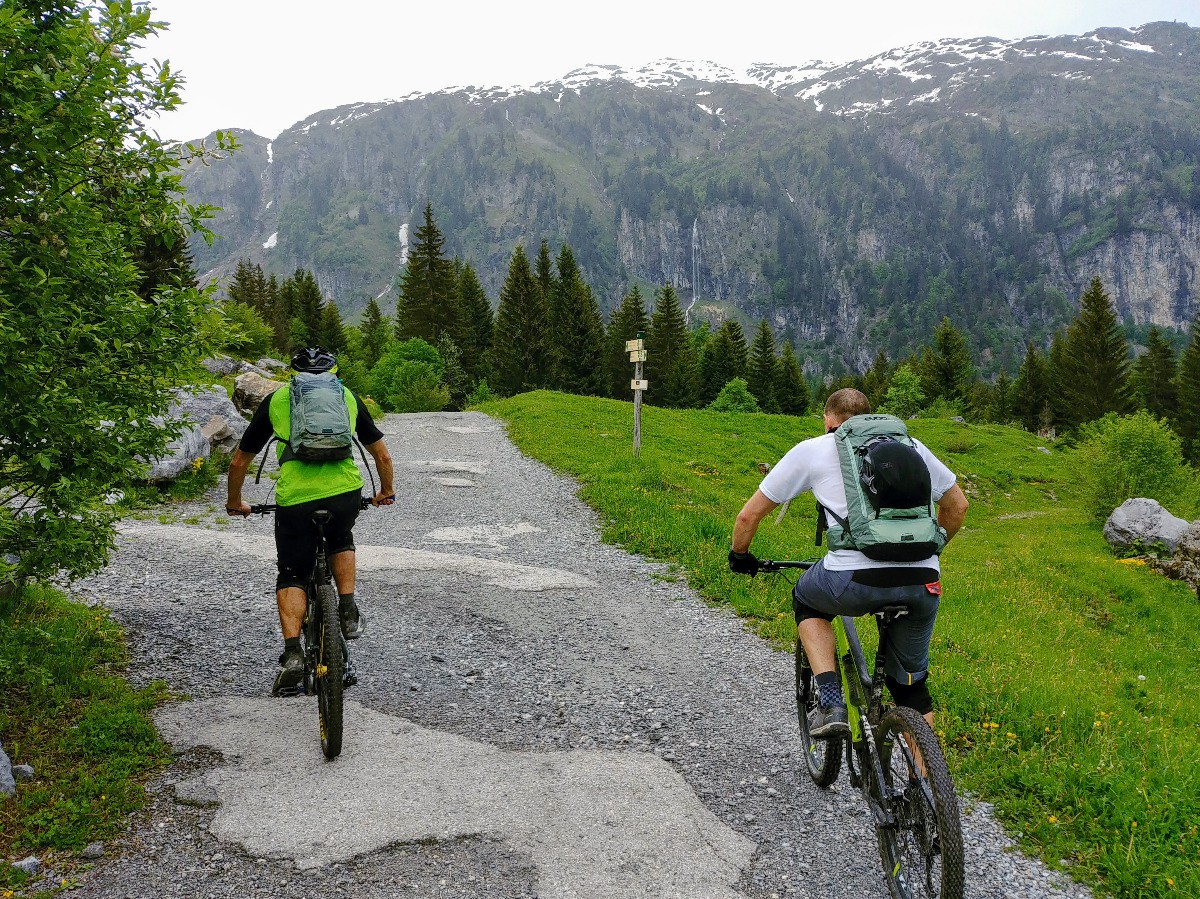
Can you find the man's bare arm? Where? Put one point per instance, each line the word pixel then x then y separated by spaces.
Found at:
pixel 383 464
pixel 952 510
pixel 238 466
pixel 756 509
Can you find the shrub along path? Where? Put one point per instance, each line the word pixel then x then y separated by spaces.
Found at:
pixel 538 713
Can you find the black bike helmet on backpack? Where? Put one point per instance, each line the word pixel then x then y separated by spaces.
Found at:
pixel 893 475
pixel 314 359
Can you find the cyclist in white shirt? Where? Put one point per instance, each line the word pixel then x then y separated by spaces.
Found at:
pixel 846 582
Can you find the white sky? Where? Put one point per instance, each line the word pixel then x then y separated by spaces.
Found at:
pixel 266 64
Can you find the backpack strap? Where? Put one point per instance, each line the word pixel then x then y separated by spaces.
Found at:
pixel 823 522
pixel 263 461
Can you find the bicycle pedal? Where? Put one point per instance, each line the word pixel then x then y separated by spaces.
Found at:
pixel 349 677
pixel 297 690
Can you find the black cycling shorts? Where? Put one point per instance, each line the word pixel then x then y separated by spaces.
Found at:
pixel 296 535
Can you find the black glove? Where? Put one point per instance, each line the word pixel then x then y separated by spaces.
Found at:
pixel 743 563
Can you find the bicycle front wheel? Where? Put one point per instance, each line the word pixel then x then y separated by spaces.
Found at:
pixel 328 677
pixel 823 758
pixel 923 853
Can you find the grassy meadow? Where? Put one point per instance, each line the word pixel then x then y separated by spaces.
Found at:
pixel 66 710
pixel 1063 676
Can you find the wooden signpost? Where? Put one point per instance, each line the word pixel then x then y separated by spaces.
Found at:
pixel 637 355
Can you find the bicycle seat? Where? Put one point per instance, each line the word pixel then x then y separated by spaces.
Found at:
pixel 893 611
pixel 322 516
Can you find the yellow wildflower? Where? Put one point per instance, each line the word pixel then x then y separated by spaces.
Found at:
pixel 1053 819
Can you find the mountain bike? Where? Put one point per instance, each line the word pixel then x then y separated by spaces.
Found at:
pixel 893 758
pixel 328 670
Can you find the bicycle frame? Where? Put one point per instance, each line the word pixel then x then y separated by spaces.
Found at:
pixel 864 705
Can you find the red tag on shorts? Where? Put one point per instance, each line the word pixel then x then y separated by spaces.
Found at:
pixel 935 588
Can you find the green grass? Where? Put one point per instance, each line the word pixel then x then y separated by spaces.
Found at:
pixel 66 710
pixel 1042 641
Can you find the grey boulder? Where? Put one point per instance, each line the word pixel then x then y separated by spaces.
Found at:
pixel 23 772
pixel 92 851
pixel 8 785
pixel 216 415
pixel 250 389
pixel 221 365
pixel 1143 523
pixel 31 865
pixel 272 365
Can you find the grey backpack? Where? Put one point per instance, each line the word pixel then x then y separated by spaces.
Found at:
pixel 891 516
pixel 321 430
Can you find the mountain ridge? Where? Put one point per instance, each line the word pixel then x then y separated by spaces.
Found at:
pixel 1030 164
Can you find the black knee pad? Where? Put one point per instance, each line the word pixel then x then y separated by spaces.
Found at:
pixel 803 612
pixel 288 578
pixel 912 696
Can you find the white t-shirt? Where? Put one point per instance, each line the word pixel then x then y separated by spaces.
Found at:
pixel 814 465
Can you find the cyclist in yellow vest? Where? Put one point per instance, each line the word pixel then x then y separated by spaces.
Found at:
pixel 304 487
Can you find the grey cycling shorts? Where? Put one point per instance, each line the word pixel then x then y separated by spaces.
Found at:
pixel 824 594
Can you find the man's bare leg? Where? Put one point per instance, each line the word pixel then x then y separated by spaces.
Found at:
pixel 816 635
pixel 292 605
pixel 343 571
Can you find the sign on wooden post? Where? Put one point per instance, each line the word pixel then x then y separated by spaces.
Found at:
pixel 637 355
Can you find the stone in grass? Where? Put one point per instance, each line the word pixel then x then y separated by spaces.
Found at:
pixel 31 865
pixel 8 785
pixel 1143 524
pixel 92 851
pixel 23 772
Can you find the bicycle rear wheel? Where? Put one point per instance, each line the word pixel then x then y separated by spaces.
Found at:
pixel 823 758
pixel 328 678
pixel 923 854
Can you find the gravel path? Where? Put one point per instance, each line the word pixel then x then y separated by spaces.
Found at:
pixel 512 661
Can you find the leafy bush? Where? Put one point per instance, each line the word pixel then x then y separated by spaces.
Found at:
pixel 481 394
pixel 734 397
pixel 1130 456
pixel 409 378
pixel 244 332
pixel 904 396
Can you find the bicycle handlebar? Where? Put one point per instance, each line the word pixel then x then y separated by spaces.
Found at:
pixel 771 565
pixel 265 508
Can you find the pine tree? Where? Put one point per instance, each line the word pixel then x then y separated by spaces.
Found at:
pixel 876 379
pixel 1095 373
pixel 791 390
pixel 477 312
pixel 456 379
pixel 627 322
pixel 1057 410
pixel 302 298
pixel 428 306
pixel 946 369
pixel 519 359
pixel 1187 386
pixel 1154 376
pixel 1031 391
pixel 761 373
pixel 331 333
pixel 576 334
pixel 1003 411
pixel 376 331
pixel 249 287
pixel 724 359
pixel 669 362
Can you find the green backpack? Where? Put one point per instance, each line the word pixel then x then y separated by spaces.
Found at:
pixel 321 430
pixel 891 514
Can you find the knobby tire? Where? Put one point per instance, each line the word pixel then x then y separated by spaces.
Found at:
pixel 822 758
pixel 923 855
pixel 330 669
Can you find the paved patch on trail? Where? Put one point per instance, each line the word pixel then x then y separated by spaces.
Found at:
pixel 386 561
pixel 594 824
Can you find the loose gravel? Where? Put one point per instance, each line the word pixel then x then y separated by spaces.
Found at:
pixel 494 613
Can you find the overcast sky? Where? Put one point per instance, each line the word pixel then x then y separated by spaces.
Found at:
pixel 266 64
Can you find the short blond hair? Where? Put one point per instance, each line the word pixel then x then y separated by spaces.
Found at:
pixel 846 403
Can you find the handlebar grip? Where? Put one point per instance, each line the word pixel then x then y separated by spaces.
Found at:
pixel 263 508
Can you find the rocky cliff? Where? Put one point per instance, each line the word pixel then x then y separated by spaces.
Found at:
pixel 853 206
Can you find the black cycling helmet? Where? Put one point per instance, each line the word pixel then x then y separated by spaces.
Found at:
pixel 894 476
pixel 314 359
